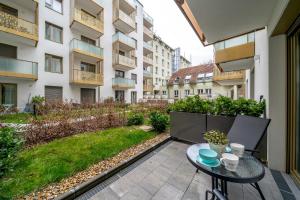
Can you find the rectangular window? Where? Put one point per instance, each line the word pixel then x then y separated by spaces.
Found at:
pixel 134 77
pixel 163 72
pixel 53 64
pixel 163 62
pixel 120 95
pixel 156 49
pixel 163 52
pixel 156 59
pixel 8 94
pixel 88 40
pixel 8 10
pixel 87 67
pixel 54 33
pixel 87 95
pixel 55 5
pixel 119 74
pixel 156 81
pixel 175 93
pixel 156 70
pixel 164 92
pixel 187 92
pixel 200 91
pixel 208 91
pixel 53 94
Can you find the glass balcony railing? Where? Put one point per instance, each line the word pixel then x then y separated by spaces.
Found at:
pixel 148 32
pixel 244 39
pixel 148 18
pixel 124 61
pixel 88 20
pixel 85 77
pixel 85 47
pixel 21 68
pixel 124 39
pixel 18 26
pixel 148 46
pixel 123 82
pixel 147 73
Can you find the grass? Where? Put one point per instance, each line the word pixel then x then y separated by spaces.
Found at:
pixel 62 158
pixel 18 118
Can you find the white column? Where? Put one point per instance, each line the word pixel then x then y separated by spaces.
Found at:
pixel 235 92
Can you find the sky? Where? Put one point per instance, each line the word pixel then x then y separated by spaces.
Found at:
pixel 171 25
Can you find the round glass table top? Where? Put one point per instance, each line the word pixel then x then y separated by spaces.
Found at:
pixel 249 169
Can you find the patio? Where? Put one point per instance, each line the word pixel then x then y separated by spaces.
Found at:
pixel 167 174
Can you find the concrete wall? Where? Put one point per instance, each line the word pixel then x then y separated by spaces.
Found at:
pixel 277 103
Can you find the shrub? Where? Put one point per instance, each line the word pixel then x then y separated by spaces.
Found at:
pixel 10 144
pixel 159 121
pixel 38 99
pixel 193 104
pixel 224 106
pixel 135 119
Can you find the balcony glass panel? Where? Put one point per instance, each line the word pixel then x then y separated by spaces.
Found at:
pixel 18 66
pixel 124 39
pixel 85 76
pixel 89 48
pixel 148 46
pixel 18 25
pixel 235 41
pixel 88 20
pixel 148 17
pixel 147 73
pixel 123 82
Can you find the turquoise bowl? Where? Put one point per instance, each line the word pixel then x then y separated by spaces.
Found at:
pixel 208 155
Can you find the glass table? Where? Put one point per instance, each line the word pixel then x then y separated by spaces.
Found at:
pixel 249 170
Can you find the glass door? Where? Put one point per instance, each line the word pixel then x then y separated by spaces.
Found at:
pixel 8 94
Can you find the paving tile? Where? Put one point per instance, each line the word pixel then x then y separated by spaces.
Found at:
pixel 106 194
pixel 168 192
pixel 122 186
pixel 139 193
pixel 152 183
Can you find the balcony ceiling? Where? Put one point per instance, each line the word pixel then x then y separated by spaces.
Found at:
pixel 219 20
pixel 90 5
pixel 238 65
pixel 29 4
pixel 127 6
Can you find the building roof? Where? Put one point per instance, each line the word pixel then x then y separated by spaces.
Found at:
pixel 192 71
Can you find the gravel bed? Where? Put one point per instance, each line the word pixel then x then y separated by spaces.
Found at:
pixel 56 189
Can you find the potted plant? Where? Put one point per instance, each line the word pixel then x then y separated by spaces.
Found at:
pixel 217 140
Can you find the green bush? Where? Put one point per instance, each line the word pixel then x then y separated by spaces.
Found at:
pixel 135 119
pixel 159 121
pixel 10 144
pixel 219 106
pixel 38 99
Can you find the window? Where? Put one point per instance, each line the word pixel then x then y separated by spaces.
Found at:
pixel 200 91
pixel 164 92
pixel 119 74
pixel 168 55
pixel 201 77
pixel 168 64
pixel 119 95
pixel 156 81
pixel 8 94
pixel 87 95
pixel 87 67
pixel 55 5
pixel 187 79
pixel 134 77
pixel 156 59
pixel 88 40
pixel 156 49
pixel 163 72
pixel 177 80
pixel 8 10
pixel 208 76
pixel 187 92
pixel 163 62
pixel 163 52
pixel 53 64
pixel 175 93
pixel 208 91
pixel 156 70
pixel 53 94
pixel 54 33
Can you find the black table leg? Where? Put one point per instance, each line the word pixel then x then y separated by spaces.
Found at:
pixel 259 191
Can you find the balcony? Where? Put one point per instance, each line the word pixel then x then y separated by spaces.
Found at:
pixel 17 29
pixel 123 83
pixel 124 22
pixel 147 48
pixel 239 49
pixel 86 24
pixel 129 6
pixel 123 63
pixel 229 78
pixel 148 20
pixel 85 78
pixel 148 88
pixel 85 50
pixel 147 61
pixel 18 68
pixel 148 34
pixel 147 74
pixel 125 42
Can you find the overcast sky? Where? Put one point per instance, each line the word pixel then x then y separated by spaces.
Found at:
pixel 171 25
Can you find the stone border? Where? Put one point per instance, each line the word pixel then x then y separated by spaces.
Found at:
pixel 88 185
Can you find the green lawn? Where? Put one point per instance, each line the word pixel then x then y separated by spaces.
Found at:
pixel 61 158
pixel 18 118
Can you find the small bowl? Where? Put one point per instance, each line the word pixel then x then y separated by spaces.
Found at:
pixel 208 155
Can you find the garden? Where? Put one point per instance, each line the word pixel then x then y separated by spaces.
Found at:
pixel 64 144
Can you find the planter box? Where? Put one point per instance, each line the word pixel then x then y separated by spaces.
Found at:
pixel 188 126
pixel 218 122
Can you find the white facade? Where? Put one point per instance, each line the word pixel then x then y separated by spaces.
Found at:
pixel 27 88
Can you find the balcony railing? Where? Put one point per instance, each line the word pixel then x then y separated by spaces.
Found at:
pixel 88 20
pixel 148 32
pixel 148 60
pixel 148 18
pixel 85 77
pixel 18 68
pixel 123 83
pixel 148 74
pixel 148 46
pixel 234 75
pixel 124 39
pixel 85 48
pixel 124 61
pixel 126 18
pixel 131 2
pixel 17 26
pixel 244 39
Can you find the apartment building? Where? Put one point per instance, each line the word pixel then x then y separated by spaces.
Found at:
pixel 179 61
pixel 198 80
pixel 263 39
pixel 75 50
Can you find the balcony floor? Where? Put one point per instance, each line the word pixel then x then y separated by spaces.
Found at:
pixel 167 174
